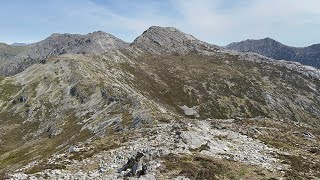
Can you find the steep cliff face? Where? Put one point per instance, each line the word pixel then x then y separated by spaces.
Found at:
pixel 268 47
pixel 168 105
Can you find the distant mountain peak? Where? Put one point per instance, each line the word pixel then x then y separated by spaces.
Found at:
pixel 156 31
pixel 268 39
pixel 56 34
pixel 257 41
pixel 89 35
pixel 271 48
pixel 19 44
pixel 160 28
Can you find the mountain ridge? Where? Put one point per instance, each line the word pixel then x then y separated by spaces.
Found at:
pixel 309 55
pixel 19 44
pixel 166 106
pixel 93 43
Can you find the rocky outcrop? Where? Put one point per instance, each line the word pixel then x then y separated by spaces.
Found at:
pixel 268 47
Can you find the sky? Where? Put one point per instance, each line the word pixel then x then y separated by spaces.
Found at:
pixel 220 22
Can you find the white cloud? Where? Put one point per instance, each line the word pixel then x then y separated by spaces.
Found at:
pixel 249 19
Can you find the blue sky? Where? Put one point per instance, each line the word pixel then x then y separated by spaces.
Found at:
pixel 293 22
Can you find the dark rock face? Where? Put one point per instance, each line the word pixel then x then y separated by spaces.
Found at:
pixel 134 167
pixel 58 44
pixel 268 47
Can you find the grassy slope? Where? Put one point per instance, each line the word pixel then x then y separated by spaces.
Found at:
pixel 226 88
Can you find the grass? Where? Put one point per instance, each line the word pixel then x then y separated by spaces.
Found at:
pixel 20 152
pixel 219 89
pixel 200 167
pixel 8 90
pixel 288 137
pixel 301 168
pixel 44 166
pixel 103 144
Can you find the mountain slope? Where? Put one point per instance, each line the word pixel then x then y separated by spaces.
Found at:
pixel 268 47
pixel 8 52
pixel 57 44
pixel 163 112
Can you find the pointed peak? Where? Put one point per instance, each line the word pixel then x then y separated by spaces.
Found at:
pixel 158 39
pixel 160 28
pixel 55 34
pixel 269 39
pixel 100 33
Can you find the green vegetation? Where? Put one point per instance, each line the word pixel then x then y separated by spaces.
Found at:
pixel 288 137
pixel 219 87
pixel 197 167
pixel 20 152
pixel 300 167
pixel 8 90
pixel 44 166
pixel 103 144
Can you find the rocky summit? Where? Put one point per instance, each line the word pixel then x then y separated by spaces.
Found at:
pixel 166 106
pixel 58 44
pixel 271 48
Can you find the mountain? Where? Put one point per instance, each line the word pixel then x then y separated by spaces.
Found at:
pixel 268 47
pixel 57 44
pixel 169 40
pixel 19 44
pixel 8 51
pixel 165 106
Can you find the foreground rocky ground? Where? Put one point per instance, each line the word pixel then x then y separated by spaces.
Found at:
pixel 207 149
